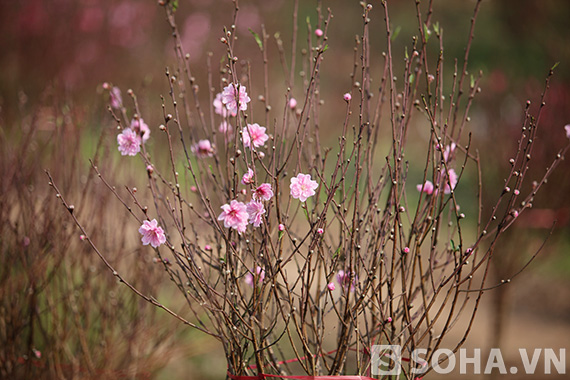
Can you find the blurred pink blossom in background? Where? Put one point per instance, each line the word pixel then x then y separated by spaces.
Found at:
pixel 203 148
pixel 141 129
pixel 248 279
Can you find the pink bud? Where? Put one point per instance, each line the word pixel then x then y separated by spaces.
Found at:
pixel 330 286
pixel 319 32
pixel 517 192
pixel 320 231
pixel 389 319
pixel 347 96
pixel 149 169
pixel 292 103
pixel 430 78
pixel 193 189
pixel 406 250
pixel 82 237
pixel 207 247
pixel 281 227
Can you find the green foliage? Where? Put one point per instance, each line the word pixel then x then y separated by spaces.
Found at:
pixel 257 39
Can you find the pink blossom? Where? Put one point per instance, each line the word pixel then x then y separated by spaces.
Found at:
pixel 230 99
pixel 427 187
pixel 347 96
pixel 234 216
pixel 203 148
pixel 247 178
pixel 448 152
pixel 152 234
pixel 140 127
pixel 254 134
pixel 320 231
pixel 451 181
pixel 567 128
pixel 129 142
pixel 292 103
pixel 281 227
pixel 255 211
pixel 226 129
pixel 331 286
pixel 340 277
pixel 263 192
pixel 319 32
pixel 248 279
pixel 116 99
pixel 343 279
pixel 302 187
pixel 219 107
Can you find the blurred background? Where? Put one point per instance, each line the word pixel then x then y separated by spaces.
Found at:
pixel 55 56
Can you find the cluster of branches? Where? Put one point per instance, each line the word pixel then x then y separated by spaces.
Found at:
pixel 60 313
pixel 404 271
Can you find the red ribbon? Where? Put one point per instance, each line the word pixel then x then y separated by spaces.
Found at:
pixel 264 376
